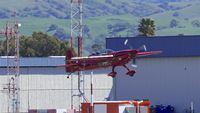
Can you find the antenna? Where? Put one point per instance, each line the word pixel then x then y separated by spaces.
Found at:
pixel 77 33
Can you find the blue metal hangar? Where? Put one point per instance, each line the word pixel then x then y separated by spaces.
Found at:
pixel 169 78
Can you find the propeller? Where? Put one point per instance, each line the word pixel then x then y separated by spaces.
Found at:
pixel 143 48
pixel 133 60
pixel 134 65
pixel 126 44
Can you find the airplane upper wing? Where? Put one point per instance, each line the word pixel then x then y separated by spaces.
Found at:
pixel 90 57
pixel 148 53
pixel 87 58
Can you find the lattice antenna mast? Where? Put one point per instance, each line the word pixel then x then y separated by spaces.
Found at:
pixel 77 34
pixel 16 97
pixel 17 64
pixel 11 33
pixel 77 24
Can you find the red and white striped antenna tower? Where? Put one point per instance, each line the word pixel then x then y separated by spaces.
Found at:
pixel 13 87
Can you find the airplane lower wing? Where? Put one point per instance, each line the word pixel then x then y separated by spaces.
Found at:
pixel 67 65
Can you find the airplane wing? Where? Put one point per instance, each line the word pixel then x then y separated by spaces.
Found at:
pixel 90 57
pixel 67 65
pixel 148 53
pixel 83 59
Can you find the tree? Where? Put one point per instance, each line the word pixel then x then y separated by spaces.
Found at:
pixel 3 47
pixel 27 46
pixel 146 27
pixel 42 45
pixel 38 45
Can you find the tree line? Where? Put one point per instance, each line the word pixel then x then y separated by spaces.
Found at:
pixel 37 45
pixel 40 44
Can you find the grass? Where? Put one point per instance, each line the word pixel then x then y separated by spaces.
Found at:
pixel 10 4
pixel 98 25
pixel 30 25
pixel 176 31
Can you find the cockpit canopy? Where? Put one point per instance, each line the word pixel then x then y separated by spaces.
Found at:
pixel 102 52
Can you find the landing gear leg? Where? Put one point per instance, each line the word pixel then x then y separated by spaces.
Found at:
pixel 113 73
pixel 130 72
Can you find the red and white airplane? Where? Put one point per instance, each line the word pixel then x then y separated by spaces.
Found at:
pixel 104 60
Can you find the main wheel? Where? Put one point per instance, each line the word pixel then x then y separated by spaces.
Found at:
pixel 112 74
pixel 131 72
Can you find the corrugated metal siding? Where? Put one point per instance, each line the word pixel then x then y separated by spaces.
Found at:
pixel 35 61
pixel 53 92
pixel 167 81
pixel 37 71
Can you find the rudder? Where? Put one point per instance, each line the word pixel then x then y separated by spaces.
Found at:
pixel 68 55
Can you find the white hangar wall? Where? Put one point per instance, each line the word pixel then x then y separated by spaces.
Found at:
pixel 169 81
pixel 44 85
pixel 53 91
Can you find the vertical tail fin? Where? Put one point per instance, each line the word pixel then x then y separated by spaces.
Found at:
pixel 68 55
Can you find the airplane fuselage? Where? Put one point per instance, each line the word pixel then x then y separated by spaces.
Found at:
pixel 119 59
